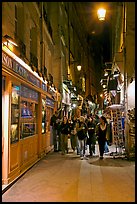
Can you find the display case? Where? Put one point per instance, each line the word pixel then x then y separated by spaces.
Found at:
pixel 14 131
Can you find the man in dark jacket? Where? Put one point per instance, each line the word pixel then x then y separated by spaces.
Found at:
pixel 54 124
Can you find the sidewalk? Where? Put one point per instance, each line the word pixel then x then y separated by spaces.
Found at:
pixel 67 178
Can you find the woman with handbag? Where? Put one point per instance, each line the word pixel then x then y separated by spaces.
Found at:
pixel 101 134
pixel 91 140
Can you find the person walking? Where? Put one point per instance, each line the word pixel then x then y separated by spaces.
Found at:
pixel 82 136
pixel 64 130
pixel 73 135
pixel 101 131
pixel 54 124
pixel 91 140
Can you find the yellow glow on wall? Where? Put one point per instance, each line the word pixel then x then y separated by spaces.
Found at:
pixel 10 53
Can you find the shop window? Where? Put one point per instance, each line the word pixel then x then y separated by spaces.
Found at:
pixel 43 116
pixel 28 118
pixel 28 112
pixel 14 131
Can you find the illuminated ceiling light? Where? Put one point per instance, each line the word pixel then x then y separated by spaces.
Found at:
pixel 101 95
pixel 116 73
pixel 10 40
pixel 106 73
pixel 93 32
pixel 104 86
pixel 79 67
pixel 101 14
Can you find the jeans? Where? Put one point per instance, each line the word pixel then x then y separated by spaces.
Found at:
pixel 64 143
pixel 82 144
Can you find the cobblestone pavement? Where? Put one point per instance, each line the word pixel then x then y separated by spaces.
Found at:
pixel 67 178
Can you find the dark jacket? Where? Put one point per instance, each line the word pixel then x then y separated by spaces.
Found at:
pixel 82 131
pixel 53 121
pixel 65 128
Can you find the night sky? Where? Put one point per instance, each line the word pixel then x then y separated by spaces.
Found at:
pixel 106 44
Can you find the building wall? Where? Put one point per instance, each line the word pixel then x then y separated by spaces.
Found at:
pixel 23 67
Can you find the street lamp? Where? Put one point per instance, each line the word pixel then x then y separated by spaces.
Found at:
pixel 101 14
pixel 79 67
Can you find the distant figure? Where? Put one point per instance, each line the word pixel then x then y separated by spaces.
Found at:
pixel 101 131
pixel 123 126
pixel 54 124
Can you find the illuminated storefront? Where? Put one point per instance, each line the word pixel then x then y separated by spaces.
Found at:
pixel 27 106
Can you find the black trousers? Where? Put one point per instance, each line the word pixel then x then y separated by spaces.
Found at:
pixel 101 147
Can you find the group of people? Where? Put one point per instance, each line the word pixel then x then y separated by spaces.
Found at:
pixel 83 132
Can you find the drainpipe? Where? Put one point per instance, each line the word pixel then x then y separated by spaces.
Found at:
pixel 41 39
pixel 124 57
pixel 68 38
pixel 127 146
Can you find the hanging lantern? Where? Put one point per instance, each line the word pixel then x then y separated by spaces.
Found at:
pixel 101 14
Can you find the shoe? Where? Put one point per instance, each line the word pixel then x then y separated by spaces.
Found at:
pixel 101 157
pixel 81 158
pixel 86 158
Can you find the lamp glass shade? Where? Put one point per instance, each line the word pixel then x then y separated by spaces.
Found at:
pixel 101 14
pixel 79 67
